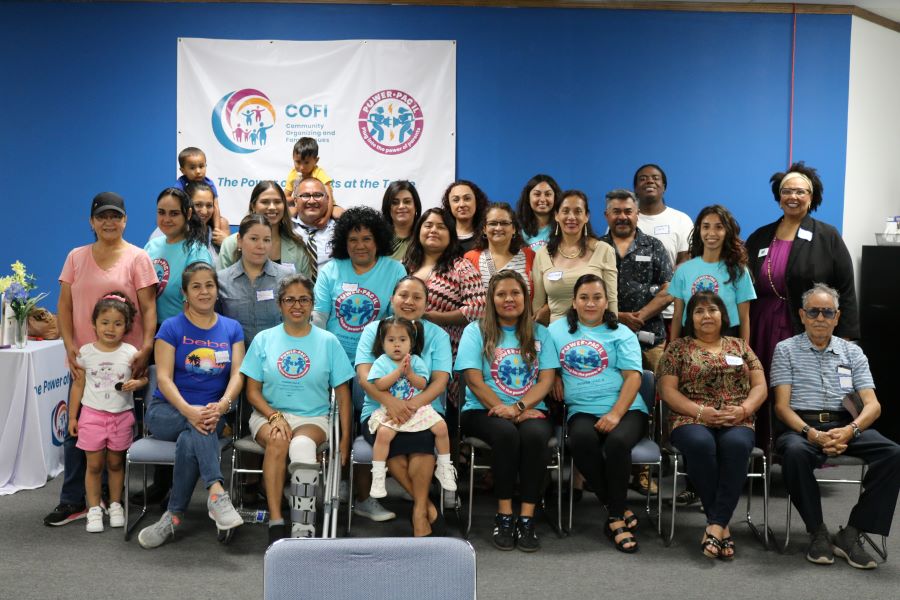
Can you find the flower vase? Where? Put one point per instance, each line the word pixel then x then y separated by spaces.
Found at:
pixel 21 333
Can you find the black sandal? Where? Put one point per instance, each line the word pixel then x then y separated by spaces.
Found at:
pixel 711 546
pixel 631 521
pixel 613 533
pixel 727 544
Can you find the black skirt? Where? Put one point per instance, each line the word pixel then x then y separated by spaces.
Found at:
pixel 418 442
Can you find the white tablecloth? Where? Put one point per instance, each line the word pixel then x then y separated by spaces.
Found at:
pixel 34 389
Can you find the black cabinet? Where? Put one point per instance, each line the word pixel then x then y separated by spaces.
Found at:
pixel 879 312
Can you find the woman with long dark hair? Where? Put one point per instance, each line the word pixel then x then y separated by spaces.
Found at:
pixel 465 203
pixel 535 209
pixel 401 208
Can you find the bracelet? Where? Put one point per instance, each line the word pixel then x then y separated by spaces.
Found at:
pixel 228 400
pixel 699 417
pixel 275 416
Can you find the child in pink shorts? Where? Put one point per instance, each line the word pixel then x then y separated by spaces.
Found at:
pixel 105 427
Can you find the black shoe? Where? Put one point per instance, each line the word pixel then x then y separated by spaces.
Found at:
pixel 848 544
pixel 64 514
pixel 504 537
pixel 820 551
pixel 277 532
pixel 526 538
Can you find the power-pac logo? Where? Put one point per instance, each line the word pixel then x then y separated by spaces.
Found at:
pixel 161 266
pixel 356 308
pixel 293 364
pixel 705 283
pixel 391 121
pixel 59 423
pixel 510 372
pixel 583 358
pixel 242 119
pixel 402 389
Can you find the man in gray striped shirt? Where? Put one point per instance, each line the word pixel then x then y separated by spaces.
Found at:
pixel 813 375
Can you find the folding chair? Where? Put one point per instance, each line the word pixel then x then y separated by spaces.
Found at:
pixel 837 461
pixel 330 462
pixel 151 451
pixel 645 453
pixel 756 455
pixel 444 569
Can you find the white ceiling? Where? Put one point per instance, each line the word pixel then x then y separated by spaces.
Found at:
pixel 885 8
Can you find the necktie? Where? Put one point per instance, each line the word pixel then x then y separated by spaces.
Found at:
pixel 313 254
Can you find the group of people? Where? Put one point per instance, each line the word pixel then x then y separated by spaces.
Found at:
pixel 477 315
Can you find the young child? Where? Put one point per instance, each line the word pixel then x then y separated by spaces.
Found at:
pixel 719 265
pixel 399 370
pixel 306 164
pixel 192 164
pixel 105 427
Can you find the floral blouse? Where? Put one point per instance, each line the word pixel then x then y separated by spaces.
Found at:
pixel 707 378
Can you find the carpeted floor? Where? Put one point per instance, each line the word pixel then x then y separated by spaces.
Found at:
pixel 67 563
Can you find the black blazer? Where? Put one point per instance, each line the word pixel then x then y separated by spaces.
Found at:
pixel 824 259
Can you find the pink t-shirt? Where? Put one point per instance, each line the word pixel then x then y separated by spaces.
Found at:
pixel 132 272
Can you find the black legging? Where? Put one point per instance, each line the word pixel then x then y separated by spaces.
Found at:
pixel 519 451
pixel 605 458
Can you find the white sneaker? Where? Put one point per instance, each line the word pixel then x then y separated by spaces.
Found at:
pixel 95 520
pixel 299 530
pixel 378 477
pixel 446 475
pixel 223 513
pixel 116 515
pixel 372 509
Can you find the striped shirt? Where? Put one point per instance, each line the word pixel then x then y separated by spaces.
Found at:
pixel 820 379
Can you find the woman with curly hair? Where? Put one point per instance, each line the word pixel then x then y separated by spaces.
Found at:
pixel 355 287
pixel 466 204
pixel 535 209
pixel 718 265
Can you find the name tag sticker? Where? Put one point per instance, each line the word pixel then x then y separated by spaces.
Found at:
pixel 537 345
pixel 349 287
pixel 734 361
pixel 844 370
pixel 763 252
pixel 642 258
pixel 554 275
pixel 265 295
pixel 804 234
pixel 290 266
pixel 222 357
pixel 846 383
pixel 660 229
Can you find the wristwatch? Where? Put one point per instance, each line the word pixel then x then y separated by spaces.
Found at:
pixel 521 406
pixel 805 431
pixel 856 430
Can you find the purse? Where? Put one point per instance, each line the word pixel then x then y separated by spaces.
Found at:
pixel 42 324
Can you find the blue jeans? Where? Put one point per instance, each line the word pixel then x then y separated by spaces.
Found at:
pixel 196 454
pixel 74 465
pixel 716 460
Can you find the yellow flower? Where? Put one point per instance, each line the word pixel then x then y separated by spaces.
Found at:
pixel 18 270
pixel 5 282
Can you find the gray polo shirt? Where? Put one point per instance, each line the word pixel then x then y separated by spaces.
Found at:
pixel 820 379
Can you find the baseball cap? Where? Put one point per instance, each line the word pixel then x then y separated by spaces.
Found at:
pixel 107 201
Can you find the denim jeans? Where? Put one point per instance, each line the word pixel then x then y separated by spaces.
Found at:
pixel 74 465
pixel 196 454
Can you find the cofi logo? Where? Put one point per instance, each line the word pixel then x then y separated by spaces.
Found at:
pixel 306 111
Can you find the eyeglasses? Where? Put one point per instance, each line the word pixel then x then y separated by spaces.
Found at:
pixel 110 216
pixel 313 196
pixel 813 313
pixel 290 301
pixel 498 224
pixel 794 192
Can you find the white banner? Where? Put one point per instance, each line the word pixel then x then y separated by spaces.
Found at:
pixel 379 110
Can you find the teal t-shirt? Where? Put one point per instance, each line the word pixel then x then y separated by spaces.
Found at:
pixel 402 388
pixel 539 240
pixel 507 374
pixel 436 356
pixel 169 260
pixel 591 361
pixel 297 373
pixel 352 301
pixel 696 275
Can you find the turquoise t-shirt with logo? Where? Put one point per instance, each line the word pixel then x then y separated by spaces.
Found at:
pixel 436 356
pixel 169 260
pixel 507 374
pixel 539 240
pixel 352 301
pixel 697 275
pixel 591 361
pixel 297 373
pixel 402 388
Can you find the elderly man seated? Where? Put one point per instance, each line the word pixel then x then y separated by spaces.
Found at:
pixel 813 373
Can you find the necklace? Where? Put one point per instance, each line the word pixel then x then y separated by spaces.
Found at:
pixel 570 256
pixel 769 274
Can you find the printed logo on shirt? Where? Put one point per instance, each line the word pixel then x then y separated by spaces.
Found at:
pixel 584 358
pixel 59 423
pixel 293 364
pixel 510 372
pixel 356 308
pixel 161 266
pixel 105 377
pixel 202 361
pixel 537 245
pixel 705 283
pixel 402 389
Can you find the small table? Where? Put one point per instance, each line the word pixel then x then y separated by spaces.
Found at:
pixel 34 391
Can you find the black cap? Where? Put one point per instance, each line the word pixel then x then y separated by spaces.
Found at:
pixel 107 201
